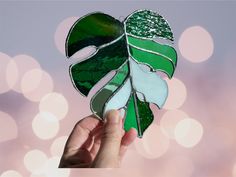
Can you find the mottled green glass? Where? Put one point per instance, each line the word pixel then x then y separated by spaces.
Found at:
pixel 148 24
pixel 101 97
pixel 139 115
pixel 87 73
pixel 94 29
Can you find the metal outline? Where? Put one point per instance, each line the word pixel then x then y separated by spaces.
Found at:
pixel 126 80
pixel 130 57
pixel 158 76
pixel 157 53
pixel 98 48
pixel 111 94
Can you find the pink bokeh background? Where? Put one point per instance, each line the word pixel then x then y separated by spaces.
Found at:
pixel 192 136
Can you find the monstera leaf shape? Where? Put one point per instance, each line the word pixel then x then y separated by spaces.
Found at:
pixel 130 48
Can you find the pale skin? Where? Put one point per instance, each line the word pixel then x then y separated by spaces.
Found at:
pixel 97 144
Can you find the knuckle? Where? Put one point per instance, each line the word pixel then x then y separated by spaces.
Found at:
pixel 111 134
pixel 112 113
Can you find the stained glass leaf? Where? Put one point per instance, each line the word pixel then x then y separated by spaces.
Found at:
pixel 124 47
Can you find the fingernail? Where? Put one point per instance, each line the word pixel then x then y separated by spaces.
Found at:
pixel 113 117
pixel 122 112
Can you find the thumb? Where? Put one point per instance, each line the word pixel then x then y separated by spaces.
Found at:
pixel 108 154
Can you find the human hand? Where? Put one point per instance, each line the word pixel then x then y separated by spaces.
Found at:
pixel 96 144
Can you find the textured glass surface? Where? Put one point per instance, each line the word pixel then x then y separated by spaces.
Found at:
pixel 149 24
pixel 123 47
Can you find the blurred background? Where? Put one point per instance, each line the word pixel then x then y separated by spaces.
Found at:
pixel 192 136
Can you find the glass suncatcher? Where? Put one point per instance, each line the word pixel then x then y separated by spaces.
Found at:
pixel 131 49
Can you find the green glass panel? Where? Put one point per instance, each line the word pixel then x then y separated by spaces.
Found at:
pixel 138 116
pixel 87 73
pixel 101 97
pixel 155 61
pixel 166 51
pixel 131 117
pixel 94 29
pixel 149 24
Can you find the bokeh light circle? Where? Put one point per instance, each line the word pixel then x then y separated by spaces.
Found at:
pixel 4 61
pixel 178 166
pixel 188 132
pixel 58 145
pixel 84 53
pixel 11 173
pixel 196 44
pixel 23 64
pixel 37 175
pixel 35 160
pixel 234 170
pixel 169 121
pixel 52 170
pixel 177 94
pixel 54 103
pixel 12 73
pixel 45 125
pixel 35 84
pixel 153 144
pixel 61 33
pixel 8 127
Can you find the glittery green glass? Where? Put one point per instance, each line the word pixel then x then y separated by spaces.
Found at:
pixel 123 47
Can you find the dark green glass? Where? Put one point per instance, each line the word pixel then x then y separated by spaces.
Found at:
pixel 94 29
pixel 87 73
